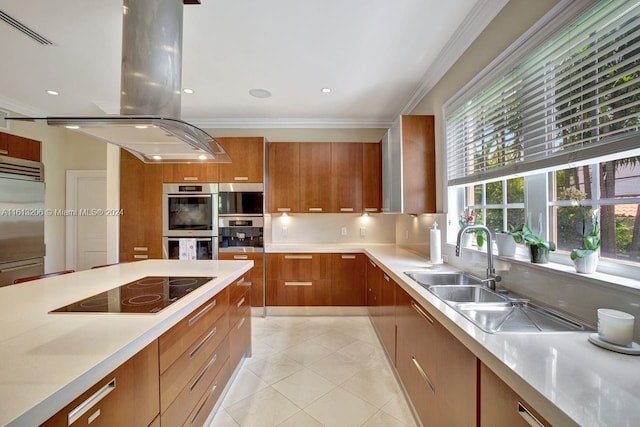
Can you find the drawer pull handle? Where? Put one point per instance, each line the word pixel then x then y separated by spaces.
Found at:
pixel 373 263
pixel 93 416
pixel 84 407
pixel 346 209
pixel 284 209
pixel 4 151
pixel 190 178
pixel 348 257
pixel 298 257
pixel 202 312
pixel 421 312
pixel 240 302
pixel 385 277
pixel 240 257
pixel 240 282
pixel 202 343
pixel 371 209
pixel 528 416
pixel 315 209
pixel 204 371
pixel 241 178
pixel 240 323
pixel 423 374
pixel 298 283
pixel 141 256
pixel 140 249
pixel 195 417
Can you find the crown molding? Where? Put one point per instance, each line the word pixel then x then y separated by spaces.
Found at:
pixel 290 123
pixel 16 107
pixel 474 23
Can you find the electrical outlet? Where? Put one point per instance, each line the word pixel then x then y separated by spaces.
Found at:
pixel 343 231
pixel 363 231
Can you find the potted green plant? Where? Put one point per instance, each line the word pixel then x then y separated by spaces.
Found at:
pixel 538 247
pixel 585 258
pixel 467 217
pixel 505 242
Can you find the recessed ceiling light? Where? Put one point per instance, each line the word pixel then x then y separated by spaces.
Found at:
pixel 156 157
pixel 202 157
pixel 53 92
pixel 325 90
pixel 141 126
pixel 73 127
pixel 187 90
pixel 260 93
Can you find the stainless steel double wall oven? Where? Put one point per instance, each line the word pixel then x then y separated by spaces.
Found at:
pixel 241 217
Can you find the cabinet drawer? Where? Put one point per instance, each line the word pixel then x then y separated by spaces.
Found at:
pixel 298 266
pixel 197 387
pixel 185 367
pixel 298 292
pixel 200 414
pixel 127 396
pixel 256 257
pixel 178 339
pixel 239 338
pixel 238 288
pixel 238 307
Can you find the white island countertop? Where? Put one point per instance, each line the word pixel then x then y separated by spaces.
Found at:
pixel 568 380
pixel 46 360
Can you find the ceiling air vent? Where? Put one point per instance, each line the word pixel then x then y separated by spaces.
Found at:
pixel 24 29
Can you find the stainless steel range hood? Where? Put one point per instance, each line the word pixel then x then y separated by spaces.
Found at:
pixel 151 80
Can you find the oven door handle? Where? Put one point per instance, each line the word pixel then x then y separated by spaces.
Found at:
pixel 197 239
pixel 180 195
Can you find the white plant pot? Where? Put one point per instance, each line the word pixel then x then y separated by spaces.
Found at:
pixel 506 244
pixel 587 264
pixel 465 240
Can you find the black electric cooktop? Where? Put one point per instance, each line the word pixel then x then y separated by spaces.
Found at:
pixel 149 294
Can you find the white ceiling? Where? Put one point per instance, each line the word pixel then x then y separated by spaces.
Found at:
pixel 378 56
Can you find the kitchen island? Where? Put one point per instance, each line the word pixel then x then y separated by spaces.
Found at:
pixel 49 359
pixel 566 380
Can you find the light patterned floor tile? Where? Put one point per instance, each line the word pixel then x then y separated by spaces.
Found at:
pixel 245 384
pixel 336 368
pixel 375 387
pixel 308 352
pixel 339 408
pixel 304 387
pixel 266 408
pixel 362 352
pixel 382 419
pixel 273 368
pixel 333 340
pixel 260 349
pixel 223 419
pixel 282 340
pixel 398 407
pixel 301 419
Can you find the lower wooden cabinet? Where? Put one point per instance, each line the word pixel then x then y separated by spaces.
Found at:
pixel 387 323
pixel 126 397
pixel 298 279
pixel 257 274
pixel 500 406
pixel 348 279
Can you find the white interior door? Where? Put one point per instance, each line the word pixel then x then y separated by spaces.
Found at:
pixel 86 219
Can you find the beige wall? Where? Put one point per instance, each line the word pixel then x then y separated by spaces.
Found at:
pixel 512 21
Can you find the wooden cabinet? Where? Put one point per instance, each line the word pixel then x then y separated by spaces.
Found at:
pixel 247 160
pixel 371 177
pixel 438 372
pixel 345 177
pixel 408 153
pixel 141 204
pixel 20 147
pixel 315 177
pixel 388 315
pixel 257 274
pixel 348 280
pixel 374 298
pixel 283 181
pixel 127 396
pixel 500 406
pixel 298 279
pixel 189 172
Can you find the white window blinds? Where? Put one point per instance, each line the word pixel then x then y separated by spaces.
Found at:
pixel 574 98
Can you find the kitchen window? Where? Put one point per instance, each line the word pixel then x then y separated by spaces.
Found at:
pixel 560 111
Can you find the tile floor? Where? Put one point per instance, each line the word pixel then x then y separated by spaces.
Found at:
pixel 315 371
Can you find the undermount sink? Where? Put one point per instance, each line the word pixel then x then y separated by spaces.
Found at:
pixel 467 294
pixel 439 279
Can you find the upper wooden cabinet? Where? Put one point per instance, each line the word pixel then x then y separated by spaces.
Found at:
pixel 247 160
pixel 141 203
pixel 315 177
pixel 409 178
pixel 19 147
pixel 189 172
pixel 346 177
pixel 283 190
pixel 371 177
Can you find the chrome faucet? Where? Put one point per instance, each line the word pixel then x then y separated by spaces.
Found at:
pixel 492 277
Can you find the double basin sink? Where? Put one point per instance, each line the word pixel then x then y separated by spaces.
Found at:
pixel 491 311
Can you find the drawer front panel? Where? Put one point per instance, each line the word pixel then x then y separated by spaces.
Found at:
pixel 240 338
pixel 198 385
pixel 174 379
pixel 239 287
pixel 182 336
pixel 202 410
pixel 299 292
pixel 238 307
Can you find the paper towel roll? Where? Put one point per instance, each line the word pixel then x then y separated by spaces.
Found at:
pixel 435 245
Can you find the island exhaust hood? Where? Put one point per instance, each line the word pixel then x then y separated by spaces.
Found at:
pixel 151 80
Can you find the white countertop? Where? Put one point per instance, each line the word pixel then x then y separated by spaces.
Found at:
pixel 47 360
pixel 564 377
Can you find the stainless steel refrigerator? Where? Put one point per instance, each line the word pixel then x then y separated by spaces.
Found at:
pixel 22 215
